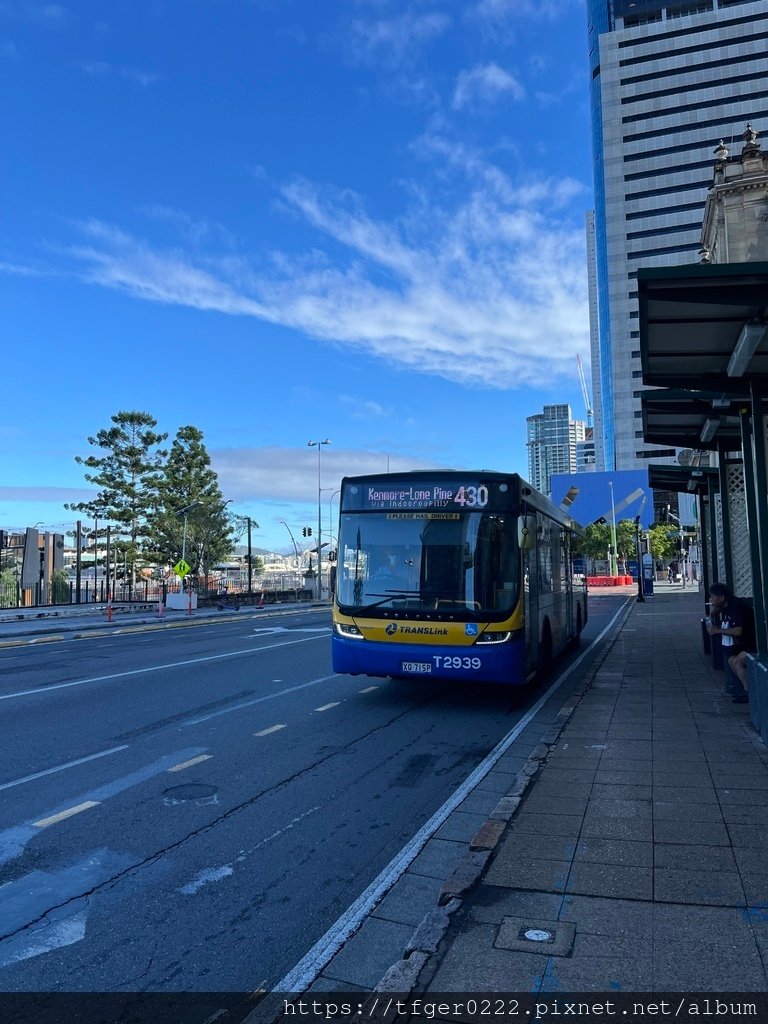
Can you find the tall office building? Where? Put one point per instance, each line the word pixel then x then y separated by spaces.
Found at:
pixel 669 81
pixel 553 437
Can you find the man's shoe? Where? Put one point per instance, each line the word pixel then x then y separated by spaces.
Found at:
pixel 741 699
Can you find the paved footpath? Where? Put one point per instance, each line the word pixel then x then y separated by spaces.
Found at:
pixel 633 844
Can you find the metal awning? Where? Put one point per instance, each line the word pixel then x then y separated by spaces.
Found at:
pixel 702 420
pixel 683 478
pixel 704 326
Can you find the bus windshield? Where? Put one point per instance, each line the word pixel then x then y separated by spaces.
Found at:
pixel 457 564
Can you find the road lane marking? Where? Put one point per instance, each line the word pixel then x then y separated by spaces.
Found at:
pixel 158 668
pixel 320 955
pixel 327 707
pixel 271 729
pixel 259 700
pixel 369 689
pixel 61 767
pixel 62 815
pixel 188 764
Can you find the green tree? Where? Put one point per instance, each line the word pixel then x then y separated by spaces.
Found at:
pixel 190 484
pixel 663 542
pixel 626 539
pixel 59 587
pixel 128 475
pixel 595 541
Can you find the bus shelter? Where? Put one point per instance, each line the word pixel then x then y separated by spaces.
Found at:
pixel 704 341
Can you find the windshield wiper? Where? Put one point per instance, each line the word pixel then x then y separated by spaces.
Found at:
pixel 389 597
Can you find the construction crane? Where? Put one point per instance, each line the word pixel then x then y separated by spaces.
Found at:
pixel 585 393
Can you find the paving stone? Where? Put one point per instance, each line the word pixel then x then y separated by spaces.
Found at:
pixel 700 858
pixel 719 888
pixel 595 916
pixel 479 803
pixel 691 833
pixel 685 925
pixel 620 777
pixel 621 946
pixel 698 967
pixel 742 797
pixel 549 875
pixel 664 810
pixel 496 782
pixel 745 814
pixel 608 827
pixel 461 827
pixel 756 887
pixel 473 964
pixel 748 835
pixel 616 880
pixel 618 808
pixel 369 953
pixel 602 791
pixel 438 859
pixel 598 974
pixel 409 899
pixel 490 905
pixel 548 824
pixel 524 846
pixel 615 851
pixel 543 803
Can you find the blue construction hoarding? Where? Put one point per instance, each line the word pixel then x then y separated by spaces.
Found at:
pixel 593 496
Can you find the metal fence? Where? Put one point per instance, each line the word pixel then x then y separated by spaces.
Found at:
pixel 267 587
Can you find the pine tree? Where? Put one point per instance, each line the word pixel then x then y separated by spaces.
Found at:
pixel 128 476
pixel 190 490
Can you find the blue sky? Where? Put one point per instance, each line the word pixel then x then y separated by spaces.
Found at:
pixel 283 221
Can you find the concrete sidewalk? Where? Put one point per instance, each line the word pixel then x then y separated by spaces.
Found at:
pixel 630 853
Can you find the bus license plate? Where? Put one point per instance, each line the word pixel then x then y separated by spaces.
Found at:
pixel 418 667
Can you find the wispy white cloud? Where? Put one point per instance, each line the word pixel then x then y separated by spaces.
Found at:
pixel 499 13
pixel 393 42
pixel 196 230
pixel 362 408
pixel 489 291
pixel 290 474
pixel 100 68
pixel 485 84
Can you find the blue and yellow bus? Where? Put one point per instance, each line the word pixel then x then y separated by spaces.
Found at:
pixel 453 575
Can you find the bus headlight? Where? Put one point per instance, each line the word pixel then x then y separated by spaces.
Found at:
pixel 348 630
pixel 494 638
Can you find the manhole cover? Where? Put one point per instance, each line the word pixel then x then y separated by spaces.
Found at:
pixel 193 791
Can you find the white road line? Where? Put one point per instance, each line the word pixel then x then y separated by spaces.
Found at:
pixel 310 966
pixel 188 764
pixel 368 689
pixel 327 707
pixel 270 730
pixel 61 767
pixel 157 668
pixel 259 700
pixel 62 815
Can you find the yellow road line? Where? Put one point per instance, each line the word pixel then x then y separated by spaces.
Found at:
pixel 326 707
pixel 188 764
pixel 44 822
pixel 272 728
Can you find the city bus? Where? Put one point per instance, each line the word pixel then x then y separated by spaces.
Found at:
pixel 453 575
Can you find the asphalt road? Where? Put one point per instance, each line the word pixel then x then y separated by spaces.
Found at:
pixel 191 809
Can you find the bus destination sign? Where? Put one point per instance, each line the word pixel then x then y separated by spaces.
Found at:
pixel 458 496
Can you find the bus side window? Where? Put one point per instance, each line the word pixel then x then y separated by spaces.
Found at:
pixel 544 548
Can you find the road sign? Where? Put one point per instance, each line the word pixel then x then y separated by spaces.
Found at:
pixel 182 568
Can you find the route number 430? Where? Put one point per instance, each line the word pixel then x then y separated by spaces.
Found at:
pixel 472 497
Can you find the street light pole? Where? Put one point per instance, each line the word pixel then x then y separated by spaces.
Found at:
pixel 614 561
pixel 318 445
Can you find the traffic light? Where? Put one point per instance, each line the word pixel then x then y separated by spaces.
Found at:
pixel 306 531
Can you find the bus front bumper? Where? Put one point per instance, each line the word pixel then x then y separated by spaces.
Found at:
pixel 484 663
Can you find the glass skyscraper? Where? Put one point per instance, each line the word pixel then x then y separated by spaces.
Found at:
pixel 669 81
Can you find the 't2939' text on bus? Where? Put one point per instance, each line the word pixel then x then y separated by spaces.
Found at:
pixel 453 575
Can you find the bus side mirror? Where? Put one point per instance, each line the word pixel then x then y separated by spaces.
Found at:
pixel 526 532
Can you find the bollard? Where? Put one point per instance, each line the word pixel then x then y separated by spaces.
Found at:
pixel 160 607
pixel 109 610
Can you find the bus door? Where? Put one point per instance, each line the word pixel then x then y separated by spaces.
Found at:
pixel 531 597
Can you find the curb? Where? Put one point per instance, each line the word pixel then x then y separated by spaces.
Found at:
pixel 80 632
pixel 403 975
